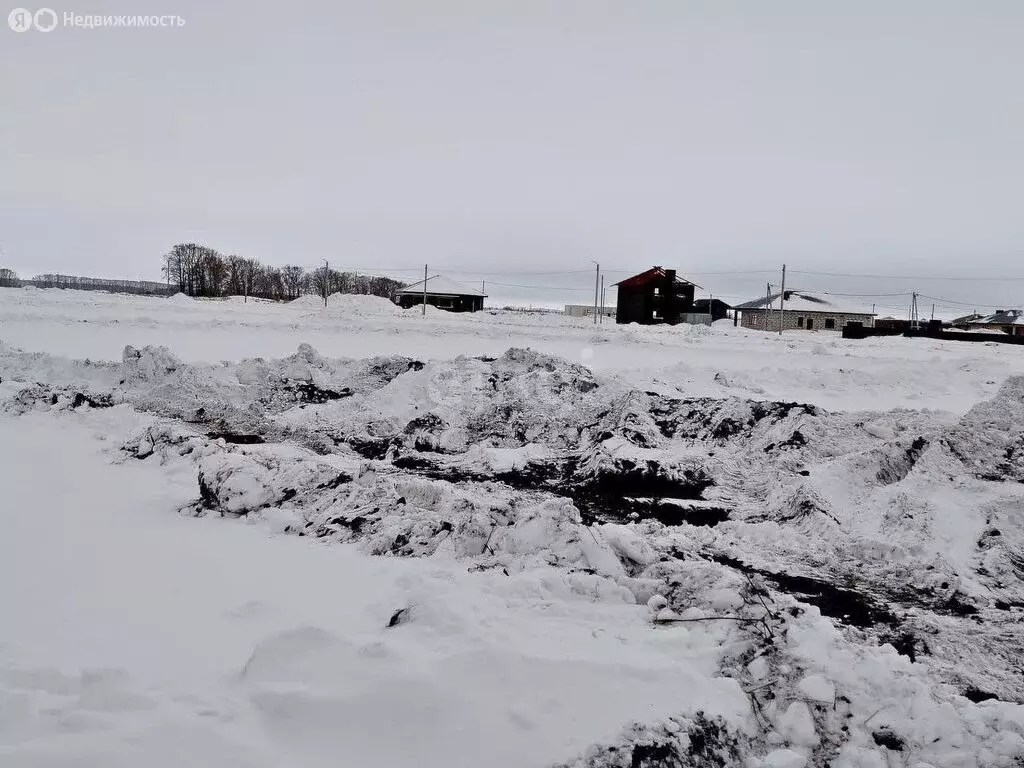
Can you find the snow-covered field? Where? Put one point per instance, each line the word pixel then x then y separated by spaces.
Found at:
pixel 249 534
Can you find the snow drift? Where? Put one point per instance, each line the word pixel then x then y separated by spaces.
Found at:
pixel 870 554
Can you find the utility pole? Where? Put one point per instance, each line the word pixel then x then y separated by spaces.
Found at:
pixel 597 282
pixel 424 290
pixel 782 301
pixel 602 299
pixel 767 304
pixel 327 276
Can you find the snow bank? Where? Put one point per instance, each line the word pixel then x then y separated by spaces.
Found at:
pixel 359 304
pixel 307 301
pixel 827 563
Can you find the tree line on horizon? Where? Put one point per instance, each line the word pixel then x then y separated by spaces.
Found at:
pixel 200 271
pixel 9 279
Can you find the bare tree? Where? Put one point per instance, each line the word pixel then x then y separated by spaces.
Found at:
pixel 9 279
pixel 293 278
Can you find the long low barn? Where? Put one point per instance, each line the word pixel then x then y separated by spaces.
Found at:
pixel 443 294
pixel 803 312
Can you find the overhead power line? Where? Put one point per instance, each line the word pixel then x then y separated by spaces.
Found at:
pixel 958 303
pixel 862 295
pixel 536 287
pixel 975 278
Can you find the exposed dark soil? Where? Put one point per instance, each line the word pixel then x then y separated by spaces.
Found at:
pixel 612 495
pixel 235 439
pixel 895 468
pixel 308 392
pixel 977 695
pixel 702 419
pixel 840 603
pixel 93 401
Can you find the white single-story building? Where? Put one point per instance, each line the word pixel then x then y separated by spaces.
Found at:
pixel 803 312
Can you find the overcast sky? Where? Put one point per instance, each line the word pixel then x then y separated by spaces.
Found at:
pixel 500 137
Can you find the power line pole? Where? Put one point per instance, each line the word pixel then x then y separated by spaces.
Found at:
pixel 767 304
pixel 424 290
pixel 782 301
pixel 597 281
pixel 602 299
pixel 327 275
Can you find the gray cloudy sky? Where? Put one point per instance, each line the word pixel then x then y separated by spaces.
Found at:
pixel 501 137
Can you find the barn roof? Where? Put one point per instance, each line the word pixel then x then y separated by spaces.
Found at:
pixel 800 301
pixel 652 274
pixel 438 285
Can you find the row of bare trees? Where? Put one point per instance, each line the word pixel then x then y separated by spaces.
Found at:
pixel 198 270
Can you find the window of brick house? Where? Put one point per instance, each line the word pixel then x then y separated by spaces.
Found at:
pixel 830 323
pixel 799 322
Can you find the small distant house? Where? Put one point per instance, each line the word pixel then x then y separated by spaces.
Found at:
pixel 717 308
pixel 803 311
pixel 655 296
pixel 1009 321
pixel 443 294
pixel 587 310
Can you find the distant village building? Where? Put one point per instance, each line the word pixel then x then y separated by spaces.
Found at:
pixel 443 294
pixel 587 310
pixel 803 311
pixel 1009 321
pixel 716 308
pixel 655 296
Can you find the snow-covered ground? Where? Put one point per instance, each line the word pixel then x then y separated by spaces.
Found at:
pixel 258 535
pixel 816 366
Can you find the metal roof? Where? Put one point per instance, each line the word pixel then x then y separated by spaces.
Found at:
pixel 1002 317
pixel 438 285
pixel 799 301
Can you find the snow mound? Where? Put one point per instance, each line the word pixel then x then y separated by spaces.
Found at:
pixel 990 437
pixel 359 304
pixel 181 298
pixel 350 304
pixel 308 300
pixel 698 330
